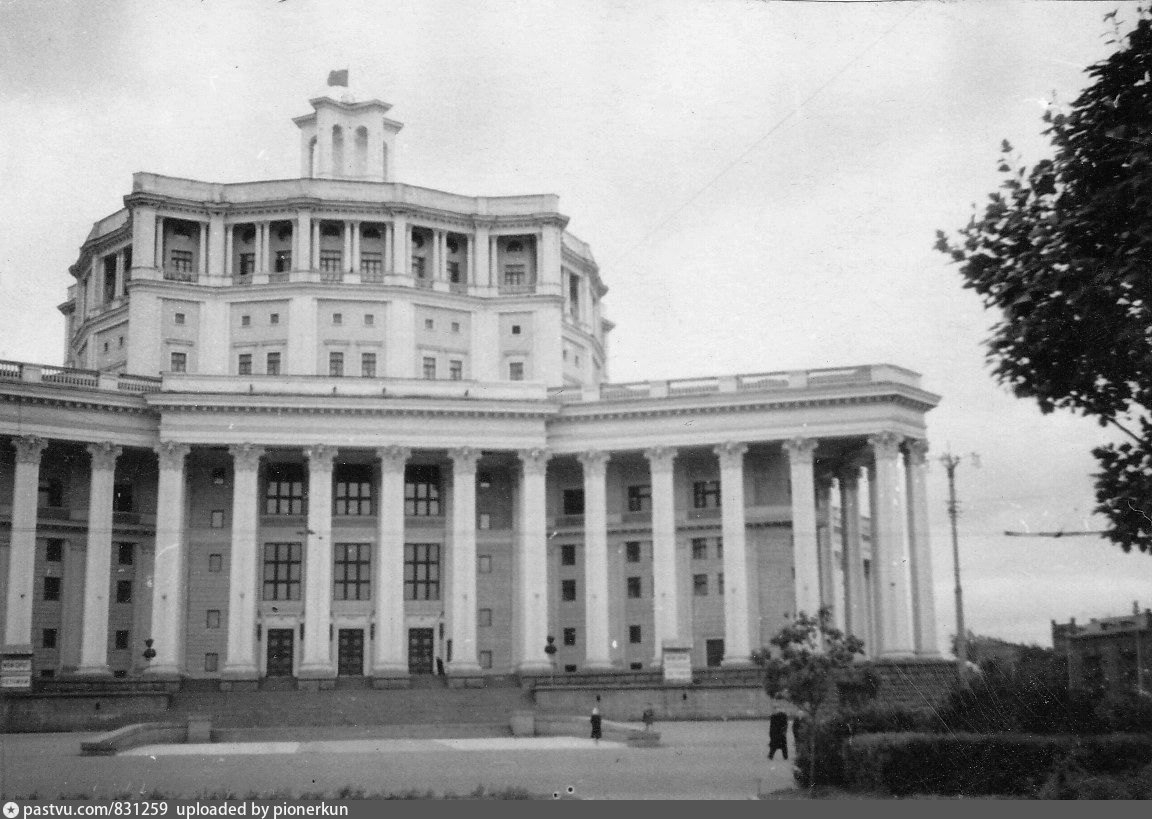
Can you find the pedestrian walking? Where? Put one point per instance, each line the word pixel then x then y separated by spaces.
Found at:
pixel 648 717
pixel 778 734
pixel 596 725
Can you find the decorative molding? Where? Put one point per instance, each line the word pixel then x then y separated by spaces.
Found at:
pixel 172 454
pixel 800 450
pixel 535 460
pixel 29 449
pixel 917 449
pixel 464 459
pixel 660 458
pixel 320 457
pixel 104 455
pixel 393 457
pixel 245 457
pixel 595 462
pixel 731 454
pixel 886 445
pixel 601 410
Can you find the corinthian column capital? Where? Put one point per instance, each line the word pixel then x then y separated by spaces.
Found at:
pixel 320 457
pixel 800 450
pixel 535 460
pixel 172 454
pixel 245 457
pixel 104 455
pixel 660 458
pixel 28 449
pixel 464 459
pixel 917 449
pixel 393 457
pixel 885 445
pixel 730 453
pixel 594 460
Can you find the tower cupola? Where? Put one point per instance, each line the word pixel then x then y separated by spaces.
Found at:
pixel 346 138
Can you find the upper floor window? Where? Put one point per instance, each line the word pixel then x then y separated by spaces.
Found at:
pixel 706 494
pixel 273 318
pixel 368 365
pixel 699 548
pixel 50 493
pixel 179 318
pixel 122 497
pixel 456 370
pixel 244 364
pixel 352 575
pixel 336 364
pixel 369 319
pixel 282 571
pixel 430 368
pixel 178 362
pixel 272 364
pixel 371 263
pixel 515 246
pixel 640 498
pixel 421 571
pixel 568 554
pixel 353 495
pixel 54 550
pixel 454 272
pixel 181 261
pixel 247 264
pixel 418 266
pixel 284 494
pixel 337 319
pixel 514 274
pixel 573 501
pixel 632 551
pixel 516 371
pixel 245 321
pixel 574 296
pixel 331 261
pixel 283 262
pixel 422 491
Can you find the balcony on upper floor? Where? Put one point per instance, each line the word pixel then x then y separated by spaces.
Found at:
pixel 69 377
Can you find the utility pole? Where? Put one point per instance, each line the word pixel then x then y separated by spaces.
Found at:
pixel 950 462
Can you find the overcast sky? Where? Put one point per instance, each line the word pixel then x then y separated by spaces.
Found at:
pixel 760 183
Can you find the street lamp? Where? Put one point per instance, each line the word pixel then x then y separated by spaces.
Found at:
pixel 950 462
pixel 550 650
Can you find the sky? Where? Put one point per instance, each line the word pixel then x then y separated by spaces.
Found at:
pixel 760 182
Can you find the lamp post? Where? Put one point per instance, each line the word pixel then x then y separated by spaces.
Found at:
pixel 550 650
pixel 950 463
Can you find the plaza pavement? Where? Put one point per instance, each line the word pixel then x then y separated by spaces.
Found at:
pixel 696 760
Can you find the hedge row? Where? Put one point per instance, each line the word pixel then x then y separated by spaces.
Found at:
pixel 971 764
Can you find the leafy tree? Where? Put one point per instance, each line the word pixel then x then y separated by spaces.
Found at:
pixel 811 655
pixel 1063 251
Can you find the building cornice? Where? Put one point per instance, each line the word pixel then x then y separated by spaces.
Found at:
pixel 346 405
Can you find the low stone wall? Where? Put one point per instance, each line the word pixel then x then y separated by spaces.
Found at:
pixel 915 682
pixel 34 712
pixel 133 736
pixel 628 702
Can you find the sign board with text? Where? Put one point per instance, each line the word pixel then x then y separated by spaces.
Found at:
pixel 16 671
pixel 677 665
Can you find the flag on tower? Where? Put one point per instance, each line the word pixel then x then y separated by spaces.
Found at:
pixel 338 77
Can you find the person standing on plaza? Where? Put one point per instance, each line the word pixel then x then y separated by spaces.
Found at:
pixel 648 717
pixel 596 725
pixel 778 734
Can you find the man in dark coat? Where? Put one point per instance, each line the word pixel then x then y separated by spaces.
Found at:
pixel 778 734
pixel 595 724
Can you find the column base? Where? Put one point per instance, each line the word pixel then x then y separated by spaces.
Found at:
pixel 463 668
pixel 736 662
pixel 164 672
pixel 391 678
pixel 600 665
pixel 92 671
pixel 316 678
pixel 896 654
pixel 240 672
pixel 929 654
pixel 534 667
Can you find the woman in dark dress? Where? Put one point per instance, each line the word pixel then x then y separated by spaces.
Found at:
pixel 595 724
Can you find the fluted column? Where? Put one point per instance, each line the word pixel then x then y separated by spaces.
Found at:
pixel 352 245
pixel 825 550
pixel 888 558
pixel 737 648
pixel 804 546
pixel 317 661
pixel 532 561
pixel 168 570
pixel 920 551
pixel 665 600
pixel 98 559
pixel 855 606
pixel 597 652
pixel 388 587
pixel 240 662
pixel 464 561
pixel 22 543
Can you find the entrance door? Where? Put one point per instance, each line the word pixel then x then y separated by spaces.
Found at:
pixel 419 651
pixel 714 650
pixel 280 645
pixel 350 652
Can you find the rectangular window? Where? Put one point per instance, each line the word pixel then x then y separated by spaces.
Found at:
pixel 453 272
pixel 484 564
pixel 720 583
pixel 245 321
pixel 515 329
pixel 635 635
pixel 569 636
pixel 122 497
pixel 50 493
pixel 273 318
pixel 353 491
pixel 336 364
pixel 125 553
pixel 123 591
pixel 456 370
pixel 369 320
pixel 568 555
pixel 706 494
pixel 337 319
pixel 719 548
pixel 568 590
pixel 51 588
pixel 640 498
pixel 699 548
pixel 371 263
pixel 514 275
pixel 353 572
pixel 272 364
pixel 700 585
pixel 422 491
pixel 179 318
pixel 455 327
pixel 211 662
pixel 181 261
pixel 283 261
pixel 485 659
pixel 284 494
pixel 215 563
pixel 430 368
pixel 121 640
pixel 634 587
pixel 48 638
pixel 485 521
pixel 418 266
pixel 282 571
pixel 178 362
pixel 247 264
pixel 573 295
pixel 216 520
pixel 331 261
pixel 368 365
pixel 573 501
pixel 54 550
pixel 429 324
pixel 484 617
pixel 515 370
pixel 632 551
pixel 244 364
pixel 421 571
pixel 213 619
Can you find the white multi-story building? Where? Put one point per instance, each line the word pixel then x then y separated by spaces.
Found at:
pixel 341 425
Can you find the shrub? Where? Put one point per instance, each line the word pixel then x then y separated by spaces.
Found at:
pixel 1031 699
pixel 1003 764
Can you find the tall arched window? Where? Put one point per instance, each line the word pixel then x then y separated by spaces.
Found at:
pixel 360 165
pixel 312 149
pixel 337 151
